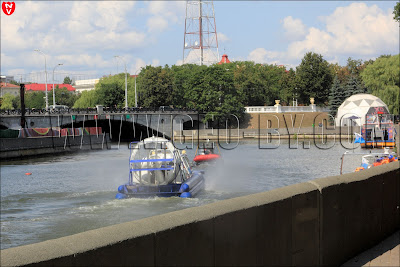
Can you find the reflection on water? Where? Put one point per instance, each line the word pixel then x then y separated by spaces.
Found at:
pixel 71 193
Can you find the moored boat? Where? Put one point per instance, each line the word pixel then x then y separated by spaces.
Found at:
pixel 378 131
pixel 157 168
pixel 372 159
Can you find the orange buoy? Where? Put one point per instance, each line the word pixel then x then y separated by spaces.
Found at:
pixel 28 173
pixel 359 169
pixel 385 161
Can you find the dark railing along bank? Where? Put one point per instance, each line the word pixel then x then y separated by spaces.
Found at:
pixel 14 112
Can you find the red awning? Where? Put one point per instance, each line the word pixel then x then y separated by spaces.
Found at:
pixel 42 87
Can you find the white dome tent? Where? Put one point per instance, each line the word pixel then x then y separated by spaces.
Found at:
pixel 354 109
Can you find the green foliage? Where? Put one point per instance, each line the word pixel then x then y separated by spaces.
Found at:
pixel 336 96
pixel 313 78
pixel 63 97
pixel 87 99
pixel 258 84
pixel 247 80
pixel 67 80
pixel 180 84
pixel 14 82
pixel 354 66
pixel 111 91
pixel 155 86
pixel 7 101
pixel 352 87
pixel 16 102
pixel 35 100
pixel 396 12
pixel 271 75
pixel 382 80
pixel 287 84
pixel 212 90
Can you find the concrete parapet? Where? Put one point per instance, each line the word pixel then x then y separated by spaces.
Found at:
pixel 322 222
pixel 21 147
pixel 357 210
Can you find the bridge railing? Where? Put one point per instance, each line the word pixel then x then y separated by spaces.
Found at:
pixel 106 110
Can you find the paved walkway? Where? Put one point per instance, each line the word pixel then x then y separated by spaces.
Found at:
pixel 386 253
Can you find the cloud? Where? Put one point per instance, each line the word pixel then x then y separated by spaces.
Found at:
pixel 356 30
pixel 163 14
pixel 157 24
pixel 261 55
pixel 222 37
pixel 68 31
pixel 294 28
pixel 85 59
pixel 135 68
pixel 210 56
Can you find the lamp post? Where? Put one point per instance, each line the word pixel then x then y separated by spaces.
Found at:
pixel 45 72
pixel 135 87
pixel 54 94
pixel 126 83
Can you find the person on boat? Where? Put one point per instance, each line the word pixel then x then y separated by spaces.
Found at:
pixel 207 152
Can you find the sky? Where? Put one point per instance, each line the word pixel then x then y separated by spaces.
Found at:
pixel 85 36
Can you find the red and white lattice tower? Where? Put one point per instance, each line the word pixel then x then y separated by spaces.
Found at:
pixel 200 45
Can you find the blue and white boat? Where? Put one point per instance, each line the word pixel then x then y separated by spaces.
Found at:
pixel 157 168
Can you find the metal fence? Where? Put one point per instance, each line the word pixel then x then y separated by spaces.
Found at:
pixel 283 109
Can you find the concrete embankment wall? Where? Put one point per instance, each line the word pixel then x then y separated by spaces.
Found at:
pixel 21 147
pixel 322 222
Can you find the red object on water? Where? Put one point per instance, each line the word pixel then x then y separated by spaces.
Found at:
pixel 28 173
pixel 208 157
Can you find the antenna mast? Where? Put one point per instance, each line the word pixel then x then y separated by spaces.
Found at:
pixel 200 45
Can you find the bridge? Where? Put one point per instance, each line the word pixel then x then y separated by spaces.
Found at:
pixel 120 124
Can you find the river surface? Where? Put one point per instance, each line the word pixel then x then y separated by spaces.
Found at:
pixel 71 193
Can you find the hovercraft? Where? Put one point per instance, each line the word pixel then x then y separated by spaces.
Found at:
pixel 158 169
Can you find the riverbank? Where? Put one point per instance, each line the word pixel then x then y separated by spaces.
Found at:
pixel 12 148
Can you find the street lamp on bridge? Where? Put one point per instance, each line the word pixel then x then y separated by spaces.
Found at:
pixel 54 94
pixel 45 72
pixel 126 83
pixel 135 87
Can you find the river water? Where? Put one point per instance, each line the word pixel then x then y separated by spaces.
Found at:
pixel 71 193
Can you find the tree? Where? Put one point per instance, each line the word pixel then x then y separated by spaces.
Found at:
pixel 247 80
pixel 396 12
pixel 14 82
pixel 336 96
pixel 288 86
pixel 35 100
pixel 313 78
pixel 110 91
pixel 180 82
pixel 212 90
pixel 63 97
pixel 382 79
pixel 270 76
pixel 87 99
pixel 352 87
pixel 156 86
pixel 67 80
pixel 7 101
pixel 354 66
